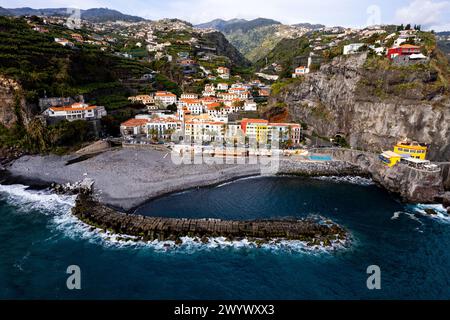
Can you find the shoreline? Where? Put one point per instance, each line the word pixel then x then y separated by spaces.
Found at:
pixel 125 179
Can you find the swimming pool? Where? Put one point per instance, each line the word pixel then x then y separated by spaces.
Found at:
pixel 320 157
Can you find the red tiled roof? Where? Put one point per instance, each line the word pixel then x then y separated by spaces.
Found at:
pixel 134 123
pixel 164 94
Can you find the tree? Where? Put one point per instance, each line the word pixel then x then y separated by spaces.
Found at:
pixel 172 107
pixel 238 103
pixel 169 132
pixel 153 133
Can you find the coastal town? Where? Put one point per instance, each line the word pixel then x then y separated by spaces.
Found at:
pixel 224 150
pixel 171 86
pixel 228 110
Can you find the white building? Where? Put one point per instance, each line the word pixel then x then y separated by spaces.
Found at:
pixel 284 132
pixel 134 127
pixel 189 96
pixel 222 86
pixel 209 91
pixel 143 98
pixel 64 42
pixel 165 98
pixel 250 105
pixel 76 111
pixel 223 73
pixel 162 128
pixel 221 111
pixel 227 96
pixel 194 106
pixel 204 131
pixel 300 71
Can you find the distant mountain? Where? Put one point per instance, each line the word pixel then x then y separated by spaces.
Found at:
pixel 93 15
pixel 237 24
pixel 104 14
pixel 255 38
pixel 4 12
pixel 310 26
pixel 218 24
pixel 443 41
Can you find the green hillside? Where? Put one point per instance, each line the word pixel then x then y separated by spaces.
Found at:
pixel 44 67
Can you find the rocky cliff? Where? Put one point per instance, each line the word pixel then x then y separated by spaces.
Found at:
pixel 412 185
pixel 13 106
pixel 372 104
pixel 225 48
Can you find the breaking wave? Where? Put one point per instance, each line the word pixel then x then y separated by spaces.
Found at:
pixel 44 201
pixel 347 179
pixel 239 179
pixel 438 210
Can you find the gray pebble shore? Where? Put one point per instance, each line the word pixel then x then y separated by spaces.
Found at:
pixel 126 178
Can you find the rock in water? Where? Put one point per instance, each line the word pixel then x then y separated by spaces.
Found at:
pixel 431 212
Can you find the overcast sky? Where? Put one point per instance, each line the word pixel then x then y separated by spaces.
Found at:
pixel 431 14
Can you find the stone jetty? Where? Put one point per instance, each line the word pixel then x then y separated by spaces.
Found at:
pixel 155 228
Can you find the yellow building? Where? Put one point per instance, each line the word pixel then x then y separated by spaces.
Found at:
pixel 412 149
pixel 256 129
pixel 390 158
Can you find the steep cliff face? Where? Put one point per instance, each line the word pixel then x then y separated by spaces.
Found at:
pixel 12 103
pixel 225 48
pixel 373 108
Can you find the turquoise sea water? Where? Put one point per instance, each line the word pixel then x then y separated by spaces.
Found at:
pixel 39 239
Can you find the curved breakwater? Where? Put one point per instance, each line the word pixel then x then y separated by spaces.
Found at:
pixel 160 228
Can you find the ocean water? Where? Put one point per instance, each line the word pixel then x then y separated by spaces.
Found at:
pixel 39 239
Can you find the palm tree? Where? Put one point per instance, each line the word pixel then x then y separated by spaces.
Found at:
pixel 169 132
pixel 153 133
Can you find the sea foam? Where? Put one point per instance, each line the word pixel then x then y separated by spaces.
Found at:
pixel 347 179
pixel 441 213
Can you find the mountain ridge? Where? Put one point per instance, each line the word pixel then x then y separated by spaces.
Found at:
pixel 92 14
pixel 254 38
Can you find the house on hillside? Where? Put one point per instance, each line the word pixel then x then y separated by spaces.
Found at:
pixel 76 111
pixel 300 71
pixel 189 96
pixel 165 98
pixel 223 72
pixel 222 86
pixel 403 50
pixel 143 98
pixel 64 42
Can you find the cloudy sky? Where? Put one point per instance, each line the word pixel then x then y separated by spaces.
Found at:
pixel 432 14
